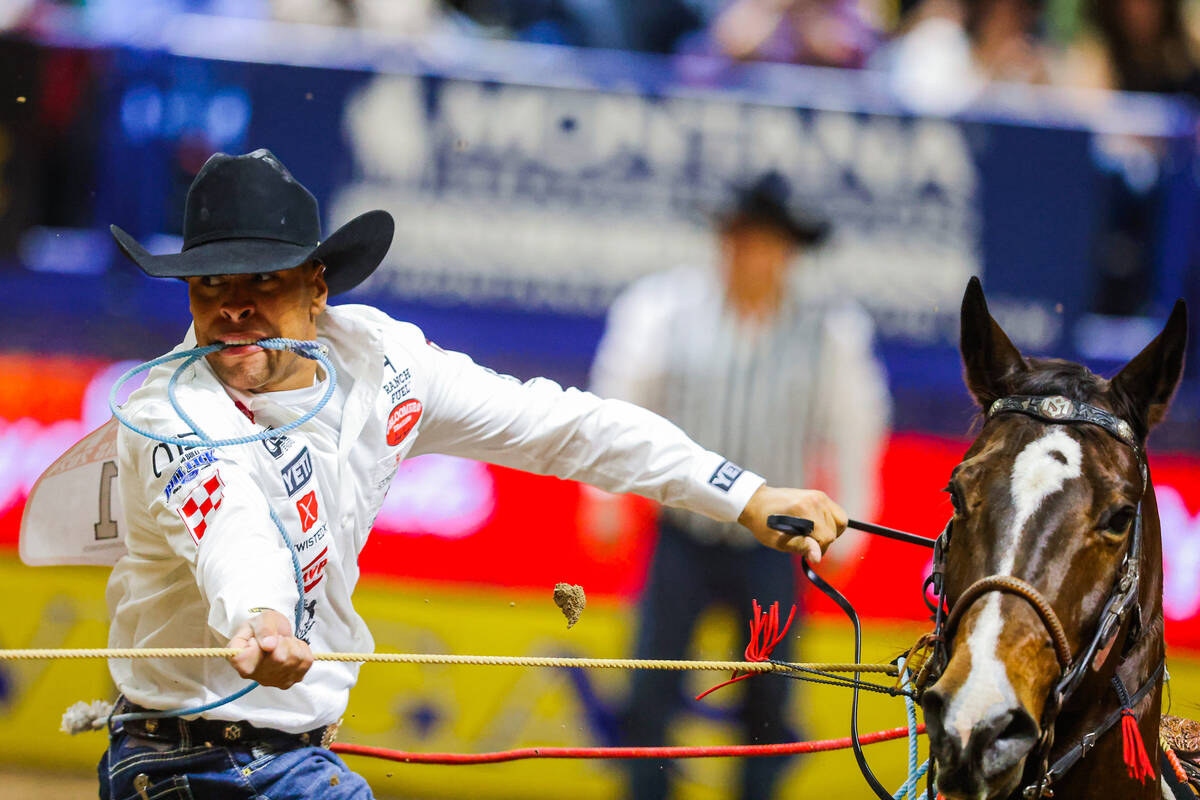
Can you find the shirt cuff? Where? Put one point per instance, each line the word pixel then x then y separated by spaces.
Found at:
pixel 226 619
pixel 723 488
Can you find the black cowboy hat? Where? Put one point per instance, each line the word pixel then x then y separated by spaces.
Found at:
pixel 767 200
pixel 247 214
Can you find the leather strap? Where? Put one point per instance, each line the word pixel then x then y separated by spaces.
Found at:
pixel 1009 584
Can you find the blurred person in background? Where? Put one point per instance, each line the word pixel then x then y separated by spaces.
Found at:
pixel 567 22
pixel 824 33
pixel 408 18
pixel 1133 46
pixel 950 50
pixel 739 354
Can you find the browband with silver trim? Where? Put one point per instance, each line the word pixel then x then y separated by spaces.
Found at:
pixel 1056 408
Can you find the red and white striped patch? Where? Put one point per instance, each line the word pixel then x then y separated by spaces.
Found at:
pixel 203 500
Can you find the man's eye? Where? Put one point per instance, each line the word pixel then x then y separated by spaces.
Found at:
pixel 263 277
pixel 211 280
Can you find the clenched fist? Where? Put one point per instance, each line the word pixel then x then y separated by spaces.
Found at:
pixel 270 654
pixel 828 518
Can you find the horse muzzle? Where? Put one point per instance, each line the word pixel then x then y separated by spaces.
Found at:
pixel 983 757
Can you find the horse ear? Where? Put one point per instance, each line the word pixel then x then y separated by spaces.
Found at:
pixel 1149 381
pixel 989 358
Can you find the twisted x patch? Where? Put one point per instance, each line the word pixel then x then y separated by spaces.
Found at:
pixel 203 501
pixel 307 508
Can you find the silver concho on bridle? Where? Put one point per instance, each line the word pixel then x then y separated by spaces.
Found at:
pixel 1057 408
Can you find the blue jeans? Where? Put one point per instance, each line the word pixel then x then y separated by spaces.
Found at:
pixel 137 769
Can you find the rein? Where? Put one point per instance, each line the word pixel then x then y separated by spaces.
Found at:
pixel 795 526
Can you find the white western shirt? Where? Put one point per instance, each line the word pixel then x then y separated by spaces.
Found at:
pixel 203 553
pixel 799 398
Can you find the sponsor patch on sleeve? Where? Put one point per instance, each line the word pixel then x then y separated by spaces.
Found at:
pixel 277 445
pixel 189 470
pixel 725 476
pixel 402 420
pixel 315 570
pixel 297 473
pixel 203 501
pixel 307 508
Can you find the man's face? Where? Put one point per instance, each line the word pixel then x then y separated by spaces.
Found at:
pixel 755 254
pixel 246 308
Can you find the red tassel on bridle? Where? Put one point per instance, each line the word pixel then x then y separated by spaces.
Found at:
pixel 1133 748
pixel 764 636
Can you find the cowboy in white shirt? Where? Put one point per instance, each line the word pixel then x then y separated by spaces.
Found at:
pixel 205 564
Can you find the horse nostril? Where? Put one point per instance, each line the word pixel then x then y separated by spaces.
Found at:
pixel 933 704
pixel 1003 739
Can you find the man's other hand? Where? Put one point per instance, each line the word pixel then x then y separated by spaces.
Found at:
pixel 269 653
pixel 828 518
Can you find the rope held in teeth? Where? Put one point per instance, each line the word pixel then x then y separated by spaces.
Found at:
pixel 438 658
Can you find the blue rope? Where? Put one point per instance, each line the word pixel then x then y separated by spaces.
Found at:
pixel 909 790
pixel 912 782
pixel 314 351
pixel 311 350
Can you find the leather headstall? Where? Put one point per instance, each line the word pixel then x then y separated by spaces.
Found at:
pixel 1120 605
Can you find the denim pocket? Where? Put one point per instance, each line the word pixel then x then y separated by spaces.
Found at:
pixel 149 773
pixel 174 787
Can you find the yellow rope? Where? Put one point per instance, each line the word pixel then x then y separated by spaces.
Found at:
pixel 434 658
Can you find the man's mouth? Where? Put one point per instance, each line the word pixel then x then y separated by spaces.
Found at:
pixel 240 344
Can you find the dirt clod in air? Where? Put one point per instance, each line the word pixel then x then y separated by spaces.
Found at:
pixel 571 599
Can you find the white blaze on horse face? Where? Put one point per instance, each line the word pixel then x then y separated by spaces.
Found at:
pixel 1040 470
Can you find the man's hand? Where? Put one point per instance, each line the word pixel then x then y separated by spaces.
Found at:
pixel 270 654
pixel 828 518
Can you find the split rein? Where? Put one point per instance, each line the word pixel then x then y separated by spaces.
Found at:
pixel 795 526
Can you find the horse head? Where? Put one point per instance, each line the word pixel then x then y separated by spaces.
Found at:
pixel 1053 504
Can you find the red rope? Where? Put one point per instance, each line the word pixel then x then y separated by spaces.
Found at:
pixel 790 748
pixel 764 635
pixel 1176 767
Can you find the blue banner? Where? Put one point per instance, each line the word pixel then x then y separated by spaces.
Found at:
pixel 530 184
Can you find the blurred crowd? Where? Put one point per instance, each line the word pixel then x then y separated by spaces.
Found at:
pixel 939 46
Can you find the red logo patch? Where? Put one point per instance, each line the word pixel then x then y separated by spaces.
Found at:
pixel 307 506
pixel 402 420
pixel 204 500
pixel 315 570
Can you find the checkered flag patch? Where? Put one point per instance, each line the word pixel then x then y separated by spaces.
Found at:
pixel 203 500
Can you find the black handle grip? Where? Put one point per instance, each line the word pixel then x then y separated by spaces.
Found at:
pixel 792 526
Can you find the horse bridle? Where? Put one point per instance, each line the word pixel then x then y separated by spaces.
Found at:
pixel 1120 604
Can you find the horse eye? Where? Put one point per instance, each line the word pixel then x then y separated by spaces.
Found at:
pixel 956 500
pixel 1117 522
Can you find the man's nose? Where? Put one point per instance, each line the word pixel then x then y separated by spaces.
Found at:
pixel 237 309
